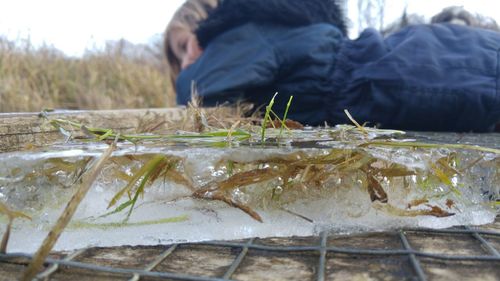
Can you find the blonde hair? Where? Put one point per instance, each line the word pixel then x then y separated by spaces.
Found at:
pixel 186 17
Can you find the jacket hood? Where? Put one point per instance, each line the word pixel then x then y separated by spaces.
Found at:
pixel 233 13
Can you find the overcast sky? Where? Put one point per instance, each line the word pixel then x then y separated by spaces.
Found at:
pixel 74 25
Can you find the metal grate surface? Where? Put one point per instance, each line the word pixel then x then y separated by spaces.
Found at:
pixel 461 253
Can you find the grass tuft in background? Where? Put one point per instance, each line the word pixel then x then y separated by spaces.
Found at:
pixel 120 76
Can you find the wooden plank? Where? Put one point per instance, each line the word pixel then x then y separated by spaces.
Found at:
pixel 19 131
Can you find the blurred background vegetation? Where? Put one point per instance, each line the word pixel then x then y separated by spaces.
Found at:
pixel 121 75
pixel 124 75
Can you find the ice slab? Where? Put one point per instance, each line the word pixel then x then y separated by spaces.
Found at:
pixel 300 189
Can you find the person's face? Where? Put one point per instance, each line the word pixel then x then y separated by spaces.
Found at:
pixel 185 46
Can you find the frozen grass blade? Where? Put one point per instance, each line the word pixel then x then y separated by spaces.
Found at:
pixel 361 128
pixel 432 211
pixel 430 145
pixel 144 170
pixel 140 189
pixel 267 117
pixel 285 115
pixel 118 209
pixel 129 224
pixel 443 177
pixel 106 135
pixel 159 165
pixel 11 215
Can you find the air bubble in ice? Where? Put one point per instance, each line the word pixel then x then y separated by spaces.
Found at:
pixel 278 190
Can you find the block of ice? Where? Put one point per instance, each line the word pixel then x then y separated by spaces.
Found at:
pixel 210 193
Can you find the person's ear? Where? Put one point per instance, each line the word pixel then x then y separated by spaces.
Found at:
pixel 193 52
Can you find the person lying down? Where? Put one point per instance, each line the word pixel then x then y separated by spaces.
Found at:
pixel 427 77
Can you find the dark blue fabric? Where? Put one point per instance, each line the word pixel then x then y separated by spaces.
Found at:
pixel 428 77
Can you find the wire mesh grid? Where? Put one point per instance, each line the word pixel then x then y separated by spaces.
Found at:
pixel 461 253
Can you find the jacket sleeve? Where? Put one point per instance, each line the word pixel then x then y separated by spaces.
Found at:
pixel 236 61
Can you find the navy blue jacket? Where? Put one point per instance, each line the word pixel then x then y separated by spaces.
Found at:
pixel 428 77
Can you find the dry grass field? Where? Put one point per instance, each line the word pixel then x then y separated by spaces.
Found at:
pixel 120 76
